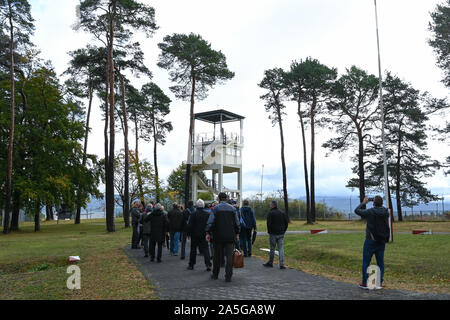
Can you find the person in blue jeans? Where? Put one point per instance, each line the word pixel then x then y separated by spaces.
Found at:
pixel 371 246
pixel 184 229
pixel 277 224
pixel 248 223
pixel 175 227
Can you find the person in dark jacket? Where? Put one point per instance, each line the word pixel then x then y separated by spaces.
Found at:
pixel 184 229
pixel 135 217
pixel 197 233
pixel 158 229
pixel 371 246
pixel 141 226
pixel 175 226
pixel 146 228
pixel 223 222
pixel 248 217
pixel 277 224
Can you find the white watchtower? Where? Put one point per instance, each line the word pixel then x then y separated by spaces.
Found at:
pixel 219 152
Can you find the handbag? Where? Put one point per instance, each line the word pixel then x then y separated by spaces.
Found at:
pixel 238 259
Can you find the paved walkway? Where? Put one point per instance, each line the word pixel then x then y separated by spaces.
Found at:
pixel 253 282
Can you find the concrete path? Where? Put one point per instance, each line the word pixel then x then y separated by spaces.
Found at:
pixel 253 282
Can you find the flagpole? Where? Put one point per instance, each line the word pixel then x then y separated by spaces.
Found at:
pixel 386 183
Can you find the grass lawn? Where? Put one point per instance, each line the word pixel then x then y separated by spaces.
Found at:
pixel 359 225
pixel 416 263
pixel 33 265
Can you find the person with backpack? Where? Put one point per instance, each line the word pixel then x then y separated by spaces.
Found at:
pixel 377 234
pixel 248 223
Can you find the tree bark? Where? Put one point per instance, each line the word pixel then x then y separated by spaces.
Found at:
pixel 49 213
pixel 86 136
pixel 8 186
pixel 187 186
pixel 37 216
pixel 305 165
pixel 15 212
pixel 283 165
pixel 155 158
pixel 398 177
pixel 313 196
pixel 138 168
pixel 126 200
pixel 110 170
pixel 362 186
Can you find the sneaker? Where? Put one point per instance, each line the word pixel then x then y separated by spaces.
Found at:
pixel 190 267
pixel 268 264
pixel 363 286
pixel 282 267
pixel 208 268
pixel 379 288
pixel 175 254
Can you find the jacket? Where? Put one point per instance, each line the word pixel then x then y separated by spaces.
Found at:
pixel 197 223
pixel 135 215
pixel 223 222
pixel 277 222
pixel 248 216
pixel 175 220
pixel 158 225
pixel 369 215
pixel 146 224
pixel 187 213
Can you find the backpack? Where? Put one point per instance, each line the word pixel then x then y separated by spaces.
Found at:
pixel 381 231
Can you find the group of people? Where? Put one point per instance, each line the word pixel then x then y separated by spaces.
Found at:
pixel 215 231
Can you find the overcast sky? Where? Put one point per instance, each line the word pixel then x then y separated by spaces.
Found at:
pixel 256 35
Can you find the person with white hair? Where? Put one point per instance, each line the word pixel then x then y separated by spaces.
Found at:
pixel 197 232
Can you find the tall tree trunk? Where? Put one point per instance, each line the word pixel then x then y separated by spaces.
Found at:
pixel 398 177
pixel 8 186
pixel 391 207
pixel 313 195
pixel 362 185
pixel 15 211
pixel 110 170
pixel 106 146
pixel 49 213
pixel 283 165
pixel 155 158
pixel 187 186
pixel 126 200
pixel 305 166
pixel 37 216
pixel 86 136
pixel 138 167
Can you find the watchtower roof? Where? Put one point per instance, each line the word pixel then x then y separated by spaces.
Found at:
pixel 217 116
